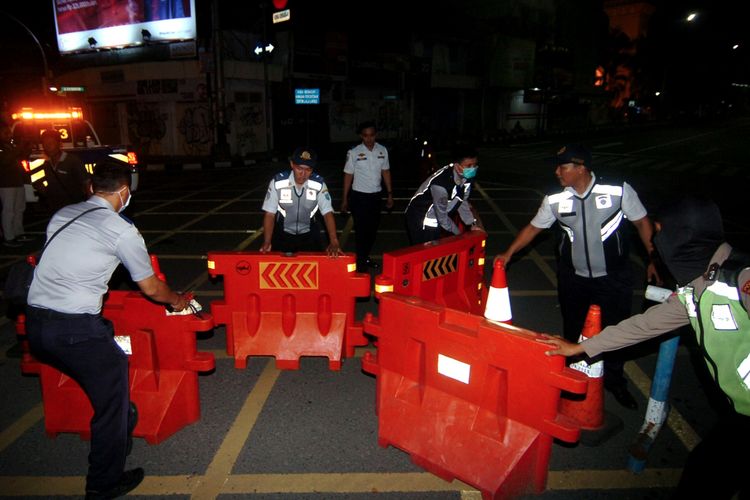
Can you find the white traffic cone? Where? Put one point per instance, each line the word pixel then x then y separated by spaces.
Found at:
pixel 498 298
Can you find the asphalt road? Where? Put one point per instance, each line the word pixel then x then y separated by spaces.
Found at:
pixel 312 433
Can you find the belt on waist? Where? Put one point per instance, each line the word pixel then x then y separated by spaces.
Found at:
pixel 41 312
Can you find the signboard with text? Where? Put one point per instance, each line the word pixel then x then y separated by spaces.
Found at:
pixel 306 96
pixel 85 25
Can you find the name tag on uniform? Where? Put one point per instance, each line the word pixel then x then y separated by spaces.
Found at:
pixel 285 196
pixel 312 195
pixel 565 206
pixel 721 317
pixel 603 201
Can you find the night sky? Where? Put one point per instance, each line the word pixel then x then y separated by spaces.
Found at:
pixel 699 52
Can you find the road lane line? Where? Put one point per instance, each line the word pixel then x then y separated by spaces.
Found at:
pixel 220 468
pixel 607 145
pixel 533 254
pixel 363 483
pixel 20 426
pixel 346 231
pixel 612 479
pixel 675 420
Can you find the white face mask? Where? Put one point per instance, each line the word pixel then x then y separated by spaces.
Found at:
pixel 126 202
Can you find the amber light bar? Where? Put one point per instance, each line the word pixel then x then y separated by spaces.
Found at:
pixel 30 114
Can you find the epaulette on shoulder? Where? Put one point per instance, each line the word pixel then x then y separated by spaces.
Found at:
pixel 284 174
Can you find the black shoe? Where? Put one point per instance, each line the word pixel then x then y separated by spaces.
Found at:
pixel 132 422
pixel 623 396
pixel 129 480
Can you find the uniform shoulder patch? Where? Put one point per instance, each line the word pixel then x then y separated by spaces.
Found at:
pixel 746 287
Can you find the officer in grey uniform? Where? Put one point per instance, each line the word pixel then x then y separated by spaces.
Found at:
pixel 593 261
pixel 64 323
pixel 293 199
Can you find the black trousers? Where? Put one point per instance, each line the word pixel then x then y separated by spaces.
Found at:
pixel 365 208
pixel 311 241
pixel 417 233
pixel 82 346
pixel 613 294
pixel 717 467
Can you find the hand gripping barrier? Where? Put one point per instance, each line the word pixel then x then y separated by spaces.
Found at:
pixel 468 398
pixel 288 306
pixel 449 272
pixel 163 370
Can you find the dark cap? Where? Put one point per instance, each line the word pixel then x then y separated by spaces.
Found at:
pixel 305 156
pixel 573 153
pixel 52 133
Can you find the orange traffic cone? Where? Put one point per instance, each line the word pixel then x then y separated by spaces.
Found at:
pixel 596 424
pixel 498 298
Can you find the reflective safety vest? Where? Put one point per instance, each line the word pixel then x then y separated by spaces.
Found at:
pixel 722 328
pixel 421 203
pixel 297 209
pixel 593 242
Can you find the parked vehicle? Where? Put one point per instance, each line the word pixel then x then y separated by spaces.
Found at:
pixel 78 136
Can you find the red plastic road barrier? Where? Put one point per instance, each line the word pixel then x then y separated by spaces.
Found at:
pixel 162 371
pixel 468 398
pixel 289 306
pixel 449 272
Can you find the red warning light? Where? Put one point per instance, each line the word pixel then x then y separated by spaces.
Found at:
pixel 279 4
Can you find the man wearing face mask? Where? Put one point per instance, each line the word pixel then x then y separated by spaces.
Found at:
pixel 593 265
pixel 713 296
pixel 429 215
pixel 64 323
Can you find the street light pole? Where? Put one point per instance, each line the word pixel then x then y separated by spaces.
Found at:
pixel 45 76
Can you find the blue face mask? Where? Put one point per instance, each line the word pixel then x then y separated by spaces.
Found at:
pixel 469 172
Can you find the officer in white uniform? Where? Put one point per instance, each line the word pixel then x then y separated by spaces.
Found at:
pixel 64 323
pixel 293 199
pixel 366 164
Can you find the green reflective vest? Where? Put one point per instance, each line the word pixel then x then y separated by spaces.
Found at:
pixel 722 328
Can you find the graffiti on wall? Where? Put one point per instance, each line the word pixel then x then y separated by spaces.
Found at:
pixel 169 128
pixel 250 128
pixel 147 126
pixel 195 129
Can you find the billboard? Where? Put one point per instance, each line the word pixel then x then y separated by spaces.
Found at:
pixel 84 25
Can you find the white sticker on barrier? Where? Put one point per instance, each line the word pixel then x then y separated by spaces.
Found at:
pixel 123 341
pixel 192 308
pixel 454 368
pixel 594 370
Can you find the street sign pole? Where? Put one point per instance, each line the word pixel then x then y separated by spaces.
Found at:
pixel 266 85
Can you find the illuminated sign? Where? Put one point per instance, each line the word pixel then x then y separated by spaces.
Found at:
pixel 86 25
pixel 306 96
pixel 281 16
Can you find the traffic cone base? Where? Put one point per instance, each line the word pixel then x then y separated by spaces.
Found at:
pixel 588 410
